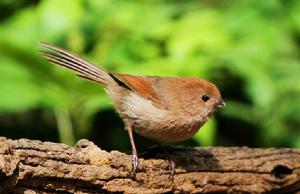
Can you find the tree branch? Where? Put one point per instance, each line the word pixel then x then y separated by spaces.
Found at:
pixel 28 166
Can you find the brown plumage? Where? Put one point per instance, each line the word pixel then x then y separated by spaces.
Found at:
pixel 166 109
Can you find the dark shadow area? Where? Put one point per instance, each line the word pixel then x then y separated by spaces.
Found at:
pixel 234 132
pixel 33 124
pixel 198 159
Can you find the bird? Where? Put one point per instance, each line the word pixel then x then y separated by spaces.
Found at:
pixel 165 109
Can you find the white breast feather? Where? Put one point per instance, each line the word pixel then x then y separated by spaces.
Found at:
pixel 139 107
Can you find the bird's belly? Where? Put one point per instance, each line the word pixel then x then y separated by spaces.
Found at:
pixel 168 131
pixel 156 123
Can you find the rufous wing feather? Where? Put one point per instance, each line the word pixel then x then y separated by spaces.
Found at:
pixel 141 86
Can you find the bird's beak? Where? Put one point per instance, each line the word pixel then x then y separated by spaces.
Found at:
pixel 220 103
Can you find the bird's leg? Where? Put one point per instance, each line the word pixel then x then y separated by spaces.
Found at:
pixel 134 155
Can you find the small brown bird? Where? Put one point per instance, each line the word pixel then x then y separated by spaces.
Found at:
pixel 167 109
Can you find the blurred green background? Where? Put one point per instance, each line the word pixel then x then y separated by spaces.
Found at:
pixel 250 49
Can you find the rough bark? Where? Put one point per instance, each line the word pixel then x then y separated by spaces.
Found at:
pixel 28 166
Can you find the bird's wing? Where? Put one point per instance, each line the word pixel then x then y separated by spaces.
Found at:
pixel 139 85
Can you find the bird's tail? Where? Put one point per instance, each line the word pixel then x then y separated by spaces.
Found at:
pixel 82 68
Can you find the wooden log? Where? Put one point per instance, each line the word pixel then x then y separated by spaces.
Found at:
pixel 30 166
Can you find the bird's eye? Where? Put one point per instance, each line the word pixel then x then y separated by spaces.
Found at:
pixel 205 98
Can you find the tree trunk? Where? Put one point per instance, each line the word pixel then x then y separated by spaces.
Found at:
pixel 28 166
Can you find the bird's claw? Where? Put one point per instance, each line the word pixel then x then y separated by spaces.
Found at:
pixel 171 166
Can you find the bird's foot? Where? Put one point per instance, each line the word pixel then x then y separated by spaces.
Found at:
pixel 135 165
pixel 163 152
pixel 171 167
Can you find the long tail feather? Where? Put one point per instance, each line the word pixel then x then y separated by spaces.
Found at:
pixel 82 68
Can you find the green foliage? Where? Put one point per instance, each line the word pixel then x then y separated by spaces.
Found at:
pixel 249 48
